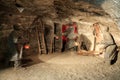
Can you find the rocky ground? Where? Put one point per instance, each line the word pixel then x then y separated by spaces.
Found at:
pixel 65 66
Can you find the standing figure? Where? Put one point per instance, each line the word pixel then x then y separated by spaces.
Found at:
pixel 98 36
pixel 64 38
pixel 72 38
pixel 13 52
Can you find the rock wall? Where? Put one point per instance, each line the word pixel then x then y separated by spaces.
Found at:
pixel 84 20
pixel 112 7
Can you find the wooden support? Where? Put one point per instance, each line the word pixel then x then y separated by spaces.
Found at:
pixel 94 43
pixel 49 35
pixel 38 41
pixel 21 52
pixel 39 27
pixel 52 40
pixel 41 35
pixel 58 42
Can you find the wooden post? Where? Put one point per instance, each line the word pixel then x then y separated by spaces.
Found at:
pixel 41 35
pixel 58 42
pixel 38 41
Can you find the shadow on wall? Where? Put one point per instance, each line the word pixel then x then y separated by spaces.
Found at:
pixel 112 7
pixel 96 2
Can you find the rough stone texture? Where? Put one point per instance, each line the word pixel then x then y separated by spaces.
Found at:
pixel 67 66
pixel 62 67
pixel 85 14
pixel 112 7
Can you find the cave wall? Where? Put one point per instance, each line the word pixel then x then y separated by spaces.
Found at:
pixel 112 7
pixel 10 15
pixel 7 22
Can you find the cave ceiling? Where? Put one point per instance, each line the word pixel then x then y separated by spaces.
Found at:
pixel 61 7
pixel 30 6
pixel 40 7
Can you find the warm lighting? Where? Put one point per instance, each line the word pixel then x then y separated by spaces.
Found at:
pixel 27 46
pixel 56 37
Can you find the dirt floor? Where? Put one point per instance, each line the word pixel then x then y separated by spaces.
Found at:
pixel 65 66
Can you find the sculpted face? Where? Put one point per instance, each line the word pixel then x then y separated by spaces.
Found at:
pixel 95 24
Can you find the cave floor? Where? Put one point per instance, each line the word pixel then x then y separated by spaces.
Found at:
pixel 65 66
